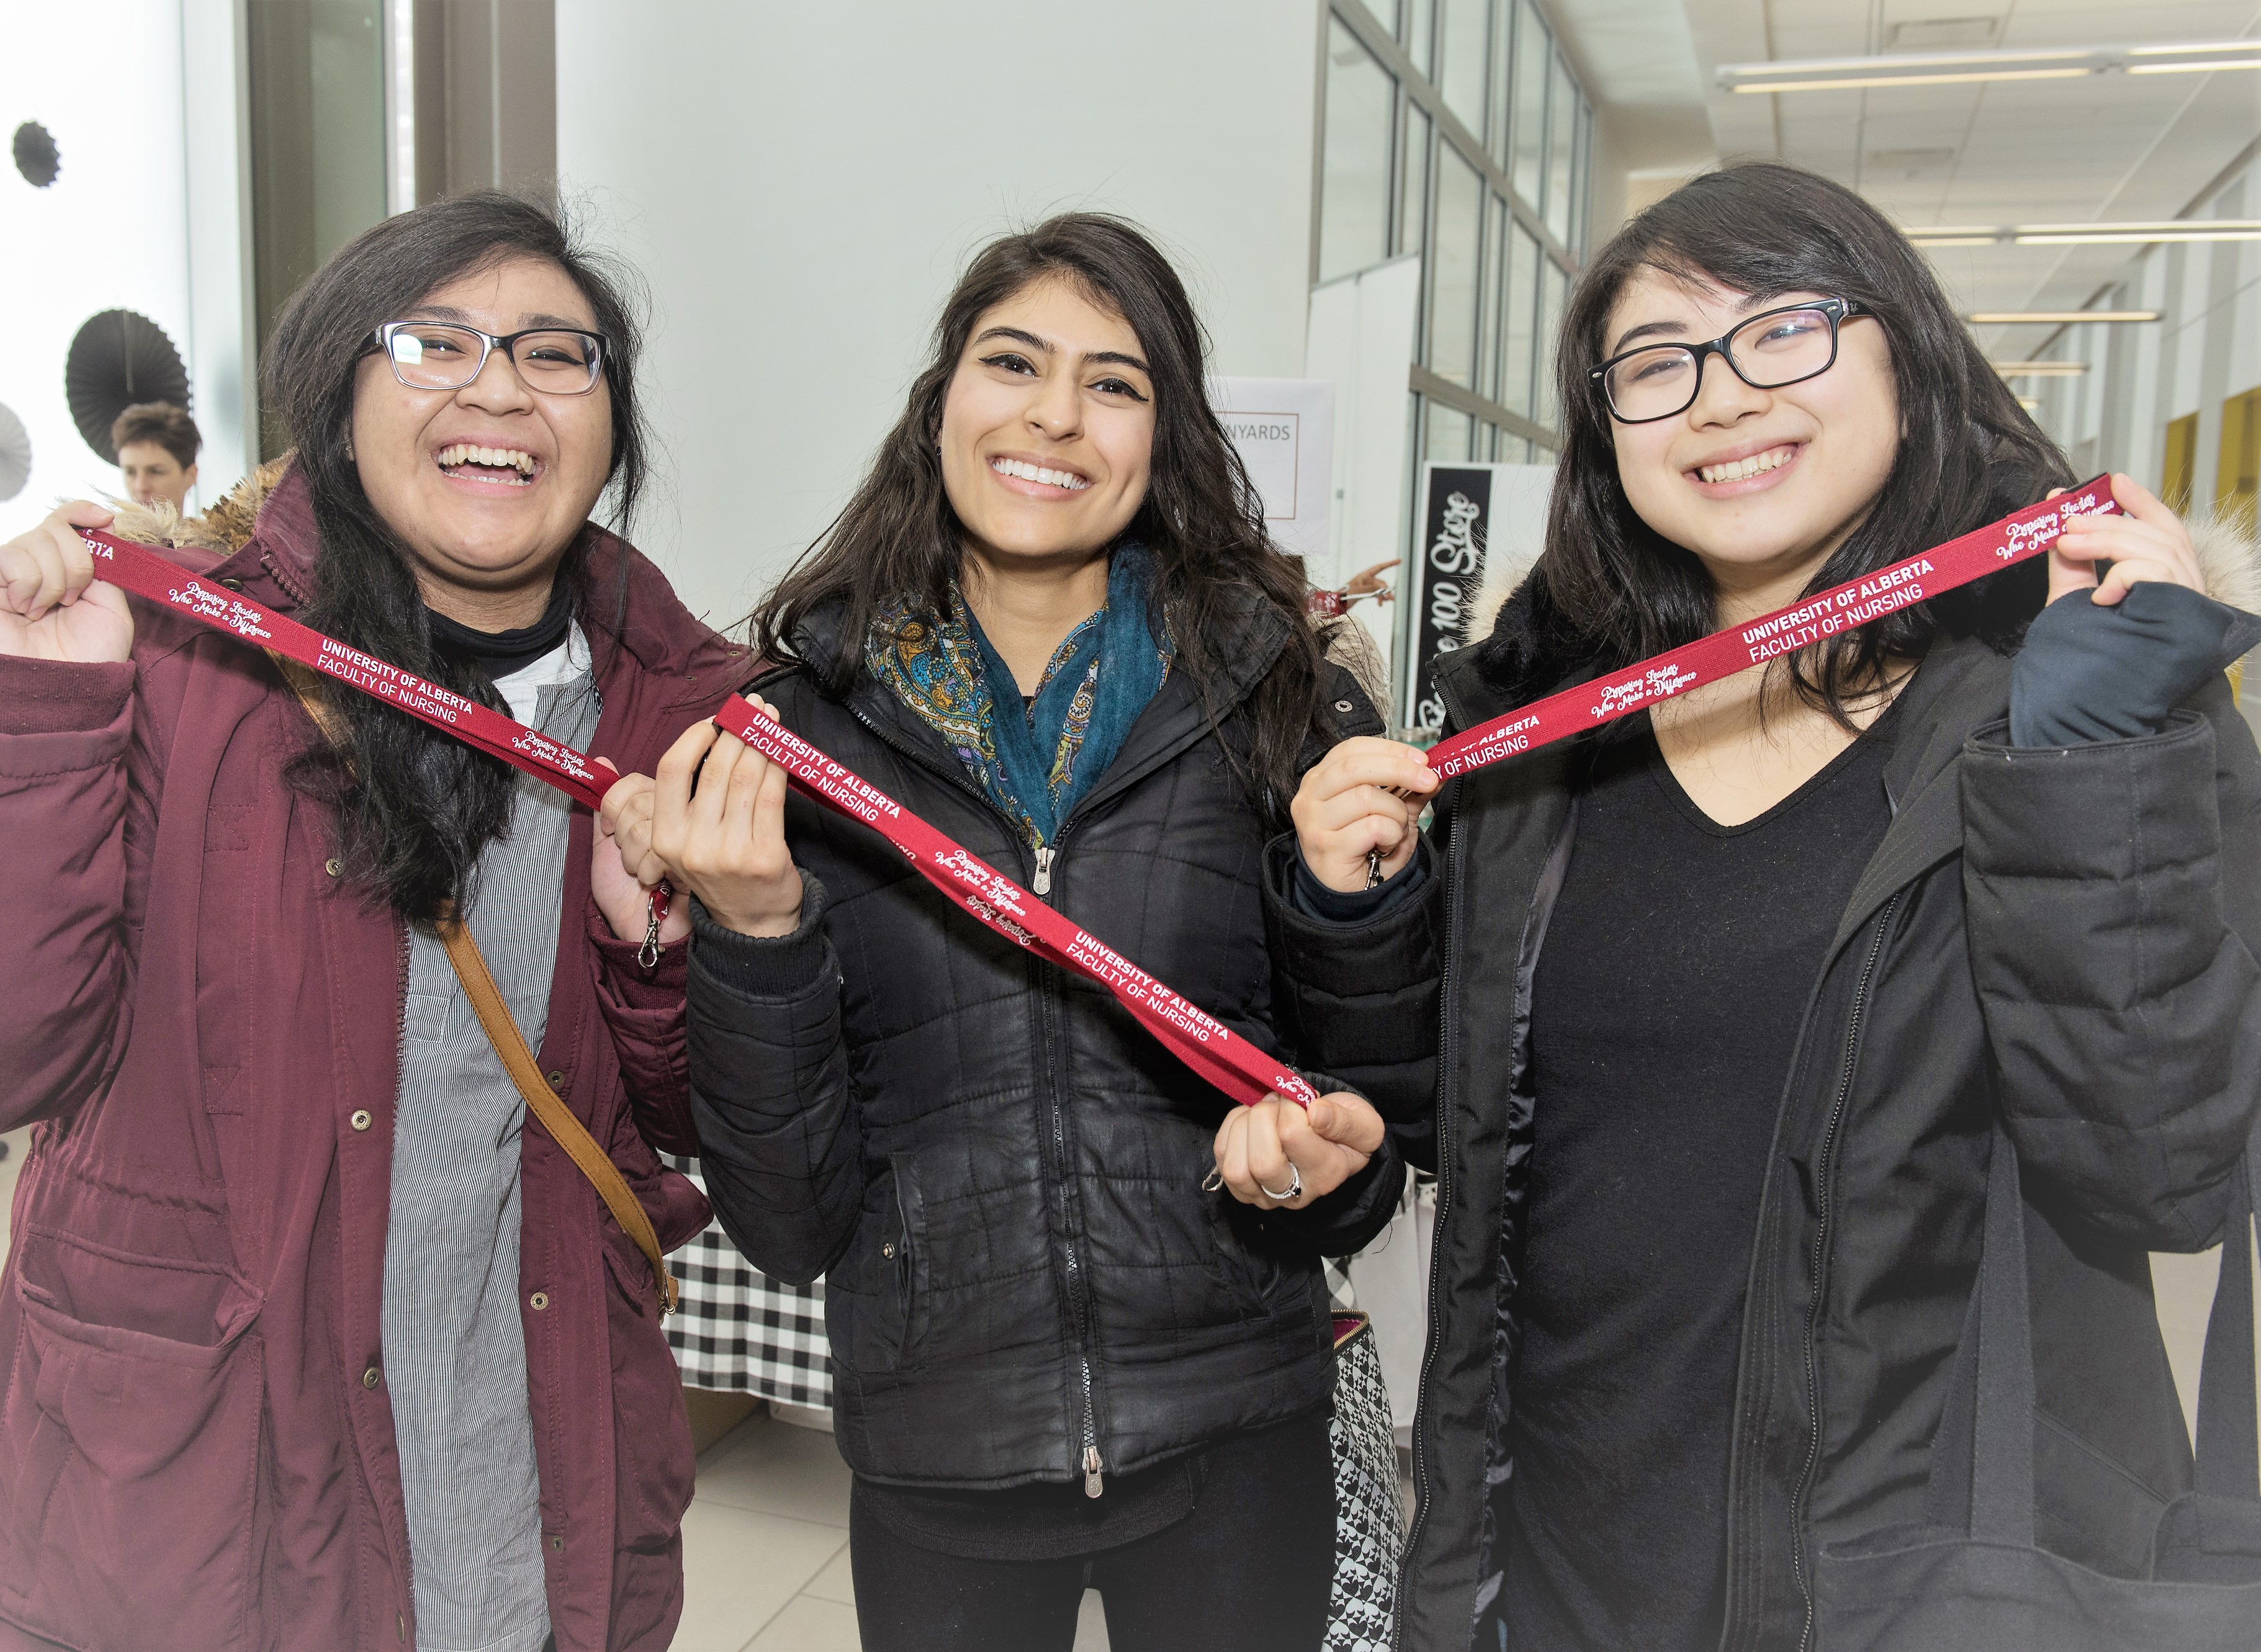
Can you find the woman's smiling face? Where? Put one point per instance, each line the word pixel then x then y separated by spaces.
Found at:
pixel 1761 485
pixel 486 484
pixel 1048 427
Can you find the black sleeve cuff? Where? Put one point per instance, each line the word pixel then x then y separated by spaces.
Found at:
pixel 1314 900
pixel 763 965
pixel 2088 674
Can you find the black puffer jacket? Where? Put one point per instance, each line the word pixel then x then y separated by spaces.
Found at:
pixel 2061 939
pixel 997 1170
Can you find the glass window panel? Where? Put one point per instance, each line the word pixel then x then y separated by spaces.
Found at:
pixel 1454 238
pixel 1500 128
pixel 1534 49
pixel 1522 303
pixel 1583 190
pixel 1495 268
pixel 1355 199
pixel 1552 288
pixel 1413 188
pixel 1420 31
pixel 1449 434
pixel 1562 150
pixel 317 140
pixel 1465 44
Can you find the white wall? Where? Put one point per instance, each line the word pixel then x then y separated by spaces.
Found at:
pixel 799 184
pixel 110 233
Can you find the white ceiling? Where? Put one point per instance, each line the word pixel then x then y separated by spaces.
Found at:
pixel 2115 147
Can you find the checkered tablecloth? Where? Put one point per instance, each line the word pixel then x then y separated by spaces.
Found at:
pixel 740 1330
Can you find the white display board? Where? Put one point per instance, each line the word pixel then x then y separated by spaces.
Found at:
pixel 1284 429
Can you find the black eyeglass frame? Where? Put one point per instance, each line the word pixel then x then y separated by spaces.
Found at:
pixel 1839 311
pixel 381 341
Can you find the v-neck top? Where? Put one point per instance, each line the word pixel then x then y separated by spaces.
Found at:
pixel 1677 966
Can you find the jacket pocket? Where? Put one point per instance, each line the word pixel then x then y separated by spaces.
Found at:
pixel 889 1325
pixel 1238 1260
pixel 134 1426
pixel 652 1460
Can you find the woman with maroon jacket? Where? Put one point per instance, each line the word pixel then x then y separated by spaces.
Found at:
pixel 306 1340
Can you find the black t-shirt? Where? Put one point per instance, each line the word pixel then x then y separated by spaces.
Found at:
pixel 1676 966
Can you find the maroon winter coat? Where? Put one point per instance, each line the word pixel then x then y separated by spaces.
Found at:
pixel 196 1441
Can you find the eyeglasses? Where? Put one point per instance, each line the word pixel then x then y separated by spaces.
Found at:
pixel 440 356
pixel 1771 350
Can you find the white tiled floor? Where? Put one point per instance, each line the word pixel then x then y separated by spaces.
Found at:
pixel 765 1547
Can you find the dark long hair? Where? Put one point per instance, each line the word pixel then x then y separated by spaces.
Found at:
pixel 416 807
pixel 1611 588
pixel 1202 519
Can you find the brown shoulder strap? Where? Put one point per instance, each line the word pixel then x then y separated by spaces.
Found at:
pixel 548 1106
pixel 509 1043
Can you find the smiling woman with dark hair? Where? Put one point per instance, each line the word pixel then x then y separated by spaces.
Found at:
pixel 315 1344
pixel 1734 994
pixel 1050 623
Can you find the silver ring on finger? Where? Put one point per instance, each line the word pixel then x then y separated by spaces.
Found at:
pixel 1295 1189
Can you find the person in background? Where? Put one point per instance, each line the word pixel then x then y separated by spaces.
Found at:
pixel 314 1340
pixel 1708 1022
pixel 1051 623
pixel 157 446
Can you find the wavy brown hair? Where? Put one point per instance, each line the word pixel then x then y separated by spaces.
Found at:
pixel 1610 589
pixel 1201 518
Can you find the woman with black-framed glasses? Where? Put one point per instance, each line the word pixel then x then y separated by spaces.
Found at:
pixel 358 1357
pixel 1733 994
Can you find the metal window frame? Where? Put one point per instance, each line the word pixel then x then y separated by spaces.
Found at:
pixel 1412 83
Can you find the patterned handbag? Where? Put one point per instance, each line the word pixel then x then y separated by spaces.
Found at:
pixel 1369 1519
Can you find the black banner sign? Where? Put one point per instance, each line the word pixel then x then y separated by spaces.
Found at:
pixel 1456 511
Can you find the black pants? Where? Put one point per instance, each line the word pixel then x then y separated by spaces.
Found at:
pixel 1248 1571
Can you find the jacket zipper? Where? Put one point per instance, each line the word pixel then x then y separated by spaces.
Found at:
pixel 1822 1169
pixel 1088 1461
pixel 400 1065
pixel 1446 1065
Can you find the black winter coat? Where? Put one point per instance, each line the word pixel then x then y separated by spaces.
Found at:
pixel 2063 940
pixel 996 1169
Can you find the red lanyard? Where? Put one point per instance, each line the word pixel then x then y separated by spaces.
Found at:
pixel 1205 1045
pixel 1810 620
pixel 135 568
pixel 1208 1047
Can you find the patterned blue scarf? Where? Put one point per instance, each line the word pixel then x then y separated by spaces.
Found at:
pixel 1035 762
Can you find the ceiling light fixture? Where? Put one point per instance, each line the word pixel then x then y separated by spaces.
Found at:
pixel 2058 318
pixel 2038 369
pixel 2108 235
pixel 1952 69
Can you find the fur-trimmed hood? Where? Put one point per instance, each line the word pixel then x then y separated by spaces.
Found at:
pixel 223 530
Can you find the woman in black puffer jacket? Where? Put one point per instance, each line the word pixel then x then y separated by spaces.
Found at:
pixel 1051 624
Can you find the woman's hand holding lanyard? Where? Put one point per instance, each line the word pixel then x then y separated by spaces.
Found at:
pixel 1358 812
pixel 2147 540
pixel 52 608
pixel 712 821
pixel 1278 1156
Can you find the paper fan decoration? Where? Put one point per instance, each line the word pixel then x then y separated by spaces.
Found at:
pixel 118 358
pixel 37 158
pixel 15 454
